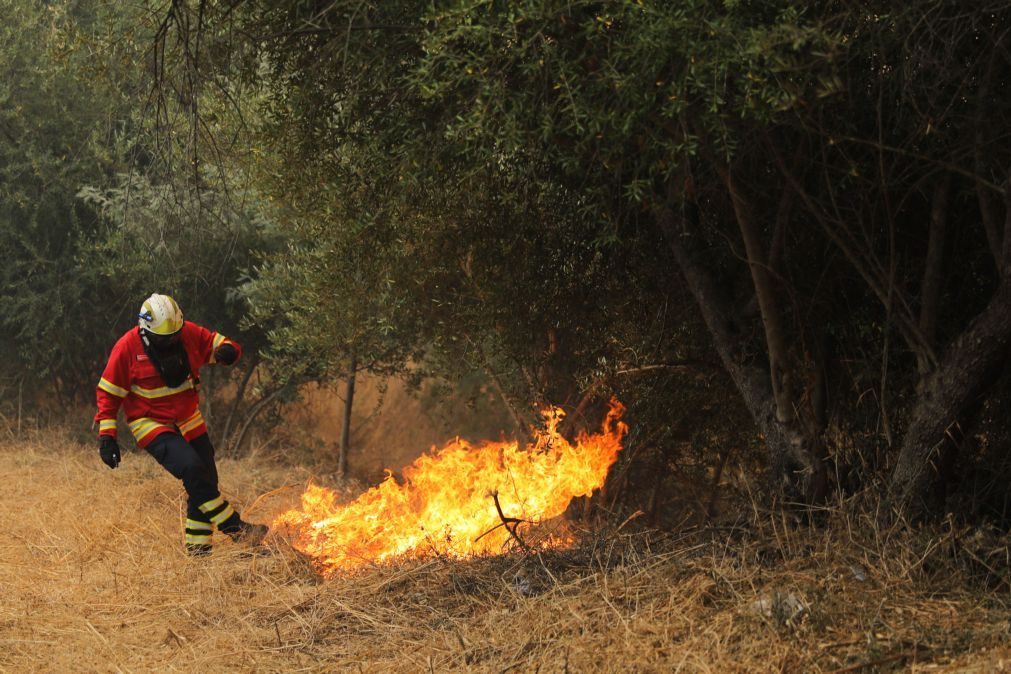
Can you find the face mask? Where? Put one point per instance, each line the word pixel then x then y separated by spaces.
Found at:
pixel 163 342
pixel 168 357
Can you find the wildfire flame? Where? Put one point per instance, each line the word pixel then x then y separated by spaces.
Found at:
pixel 447 502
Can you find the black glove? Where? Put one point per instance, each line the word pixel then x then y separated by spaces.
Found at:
pixel 108 449
pixel 226 354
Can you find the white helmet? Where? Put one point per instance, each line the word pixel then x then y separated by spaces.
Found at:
pixel 160 315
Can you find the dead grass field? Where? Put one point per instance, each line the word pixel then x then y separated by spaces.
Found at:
pixel 93 579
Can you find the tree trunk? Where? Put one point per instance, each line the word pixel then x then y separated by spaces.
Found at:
pixel 240 394
pixel 962 375
pixel 987 203
pixel 930 289
pixel 989 220
pixel 787 405
pixel 207 388
pixel 767 305
pixel 349 397
pixel 253 413
pixel 786 452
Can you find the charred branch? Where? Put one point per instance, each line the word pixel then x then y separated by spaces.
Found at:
pixel 511 524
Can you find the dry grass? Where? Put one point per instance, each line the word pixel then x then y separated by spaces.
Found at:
pixel 93 578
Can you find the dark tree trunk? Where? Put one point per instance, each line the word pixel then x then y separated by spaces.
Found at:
pixel 780 370
pixel 930 289
pixel 962 375
pixel 349 398
pixel 958 380
pixel 240 394
pixel 988 203
pixel 768 306
pixel 207 387
pixel 253 413
pixel 785 446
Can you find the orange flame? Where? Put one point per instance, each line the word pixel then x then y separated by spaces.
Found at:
pixel 445 505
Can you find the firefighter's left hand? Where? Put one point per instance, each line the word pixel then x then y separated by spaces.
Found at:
pixel 226 354
pixel 108 449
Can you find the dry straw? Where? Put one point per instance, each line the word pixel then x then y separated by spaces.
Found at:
pixel 93 578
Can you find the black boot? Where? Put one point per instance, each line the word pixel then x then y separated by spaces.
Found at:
pixel 243 532
pixel 198 537
pixel 252 534
pixel 198 549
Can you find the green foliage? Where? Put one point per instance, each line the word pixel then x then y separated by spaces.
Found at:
pixel 622 91
pixel 487 169
pixel 193 244
pixel 474 186
pixel 94 211
pixel 60 128
pixel 412 241
pixel 497 169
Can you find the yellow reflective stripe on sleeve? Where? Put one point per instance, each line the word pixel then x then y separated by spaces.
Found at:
pixel 223 515
pixel 197 524
pixel 106 424
pixel 219 339
pixel 142 427
pixel 198 539
pixel 111 388
pixel 212 504
pixel 162 391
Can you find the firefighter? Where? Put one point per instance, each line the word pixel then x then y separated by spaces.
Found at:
pixel 153 374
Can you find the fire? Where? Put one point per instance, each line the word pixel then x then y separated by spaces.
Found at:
pixel 446 504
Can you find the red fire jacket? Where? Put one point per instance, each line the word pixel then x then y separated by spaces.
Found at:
pixel 152 408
